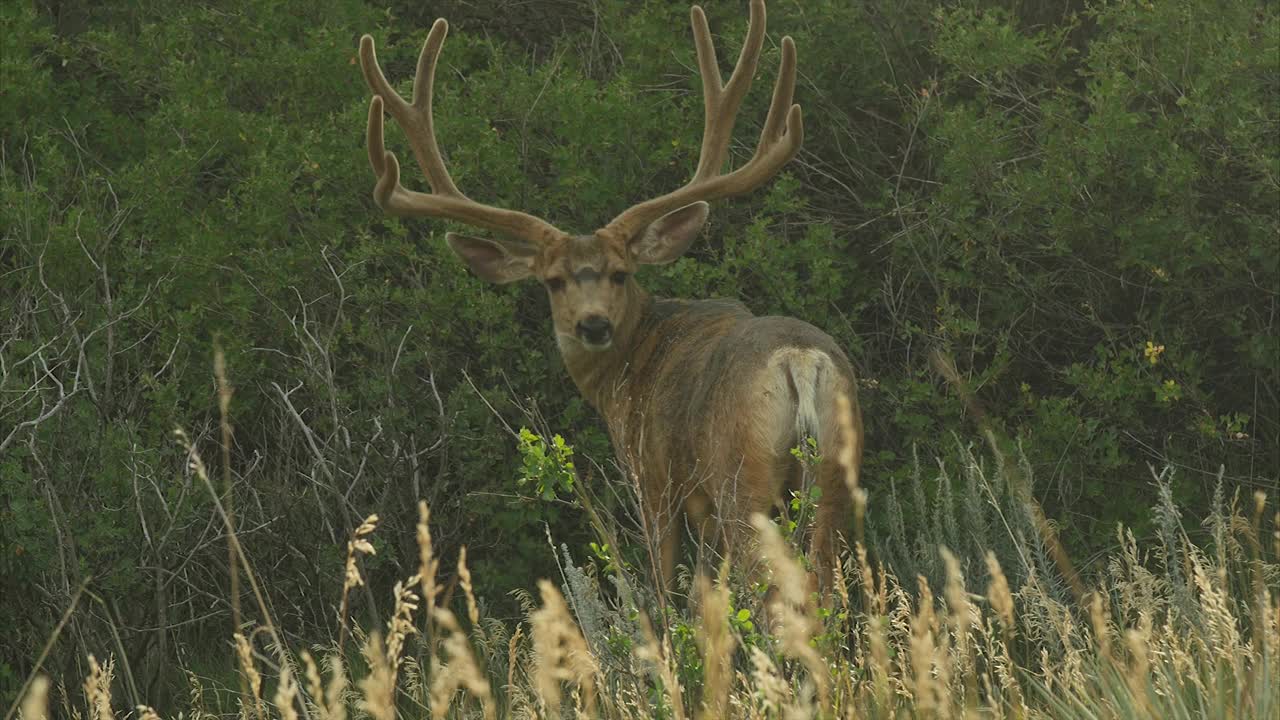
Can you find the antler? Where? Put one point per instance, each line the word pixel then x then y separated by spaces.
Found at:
pixel 779 140
pixel 445 200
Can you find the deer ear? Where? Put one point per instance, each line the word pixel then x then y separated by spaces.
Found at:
pixel 668 237
pixel 491 260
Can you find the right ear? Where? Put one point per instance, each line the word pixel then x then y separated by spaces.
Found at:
pixel 669 236
pixel 491 260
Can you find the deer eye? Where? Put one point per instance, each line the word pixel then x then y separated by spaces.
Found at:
pixel 555 284
pixel 618 278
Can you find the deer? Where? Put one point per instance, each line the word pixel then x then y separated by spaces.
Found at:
pixel 703 401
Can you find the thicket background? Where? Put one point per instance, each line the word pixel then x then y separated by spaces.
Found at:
pixel 1078 202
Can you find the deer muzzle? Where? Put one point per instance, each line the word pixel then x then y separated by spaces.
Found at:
pixel 595 332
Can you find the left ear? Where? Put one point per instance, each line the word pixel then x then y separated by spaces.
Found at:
pixel 668 237
pixel 491 260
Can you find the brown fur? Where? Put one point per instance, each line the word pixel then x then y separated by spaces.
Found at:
pixel 704 402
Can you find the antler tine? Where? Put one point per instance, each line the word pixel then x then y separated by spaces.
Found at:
pixel 777 122
pixel 721 103
pixel 416 120
pixel 780 138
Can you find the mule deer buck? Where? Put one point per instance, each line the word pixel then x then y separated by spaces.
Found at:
pixel 703 401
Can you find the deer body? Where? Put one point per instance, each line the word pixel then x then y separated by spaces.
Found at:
pixel 703 401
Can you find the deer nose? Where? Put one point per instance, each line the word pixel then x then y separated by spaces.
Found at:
pixel 595 330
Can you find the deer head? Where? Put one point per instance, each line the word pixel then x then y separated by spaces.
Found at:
pixel 589 278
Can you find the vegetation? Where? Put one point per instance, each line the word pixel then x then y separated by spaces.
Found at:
pixel 1182 632
pixel 1058 224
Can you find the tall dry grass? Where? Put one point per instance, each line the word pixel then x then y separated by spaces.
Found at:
pixel 1169 629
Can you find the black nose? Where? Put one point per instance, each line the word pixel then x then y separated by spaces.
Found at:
pixel 595 329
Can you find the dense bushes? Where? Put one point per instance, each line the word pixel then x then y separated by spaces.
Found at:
pixel 1082 211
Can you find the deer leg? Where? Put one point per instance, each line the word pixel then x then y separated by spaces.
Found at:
pixel 742 546
pixel 662 535
pixel 700 512
pixel 832 518
pixel 752 490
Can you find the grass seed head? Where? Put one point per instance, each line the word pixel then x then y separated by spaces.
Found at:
pixel 97 688
pixel 998 593
pixel 379 685
pixel 561 653
pixel 35 704
pixel 286 694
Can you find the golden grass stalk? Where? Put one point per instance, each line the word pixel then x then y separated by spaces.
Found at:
pixel 927 686
pixel 848 460
pixel 1258 606
pixel 195 693
pixel 462 671
pixel 561 653
pixel 1138 674
pixel 1101 628
pixel 768 682
pixel 327 702
pixel 1006 671
pixel 1270 632
pixel 796 626
pixel 464 579
pixel 250 674
pixel 400 626
pixel 35 704
pixel 841 585
pixel 962 613
pixel 513 657
pixel 1275 535
pixel 358 545
pixel 286 694
pixel 998 593
pixel 962 616
pixel 880 668
pixel 659 654
pixel 715 641
pixel 235 550
pixel 379 686
pixel 97 688
pixel 428 565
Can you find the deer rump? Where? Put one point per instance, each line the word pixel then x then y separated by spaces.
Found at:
pixel 721 399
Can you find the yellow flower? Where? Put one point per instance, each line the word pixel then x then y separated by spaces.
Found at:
pixel 1153 352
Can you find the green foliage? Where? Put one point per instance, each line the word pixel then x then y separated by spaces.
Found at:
pixel 806 453
pixel 549 468
pixel 1080 209
pixel 1084 172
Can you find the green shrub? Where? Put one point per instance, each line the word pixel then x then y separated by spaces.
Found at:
pixel 1045 198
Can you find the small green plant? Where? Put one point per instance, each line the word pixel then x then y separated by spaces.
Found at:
pixel 801 510
pixel 1168 391
pixel 807 452
pixel 744 626
pixel 548 467
pixel 803 505
pixel 610 562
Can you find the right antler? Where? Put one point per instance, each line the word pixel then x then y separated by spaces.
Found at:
pixel 445 200
pixel 779 140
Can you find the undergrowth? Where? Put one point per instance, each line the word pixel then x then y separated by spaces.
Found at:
pixel 973 616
